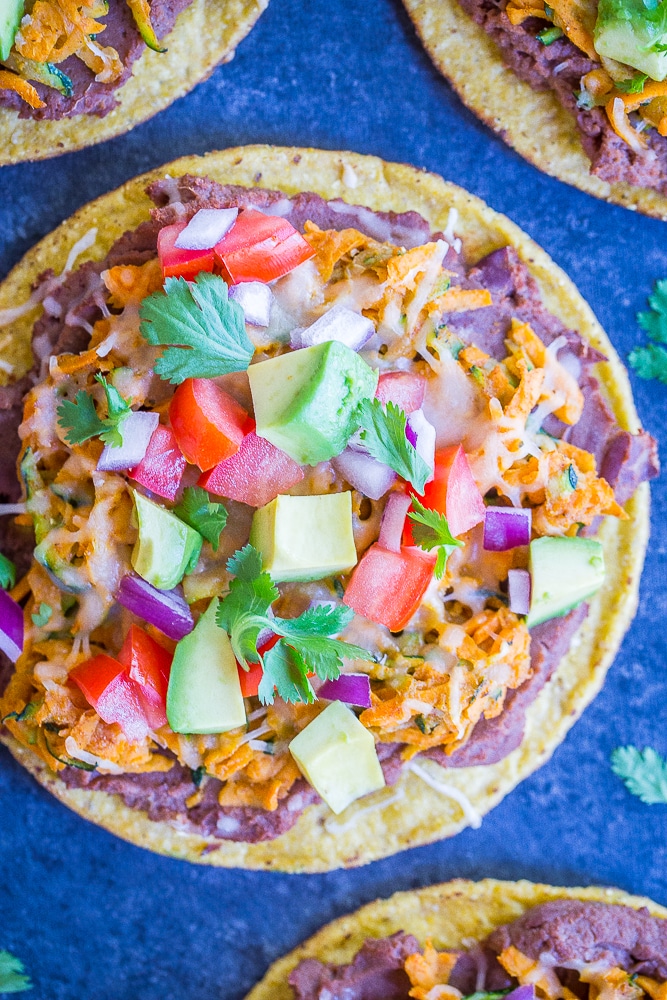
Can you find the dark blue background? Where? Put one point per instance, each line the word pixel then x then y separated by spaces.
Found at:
pixel 96 919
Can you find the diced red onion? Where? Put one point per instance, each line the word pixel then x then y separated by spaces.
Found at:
pixel 522 993
pixel 506 527
pixel 393 520
pixel 11 627
pixel 255 298
pixel 353 689
pixel 518 585
pixel 166 609
pixel 206 228
pixel 136 431
pixel 341 324
pixel 365 473
pixel 424 433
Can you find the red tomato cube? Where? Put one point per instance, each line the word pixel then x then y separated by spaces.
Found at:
pixel 405 389
pixel 115 697
pixel 255 475
pixel 177 263
pixel 162 467
pixel 148 665
pixel 208 423
pixel 387 587
pixel 260 247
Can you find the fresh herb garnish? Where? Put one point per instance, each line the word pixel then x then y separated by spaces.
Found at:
pixel 306 642
pixel 12 978
pixel 81 422
pixel 42 616
pixel 549 35
pixel 485 995
pixel 644 773
pixel 382 433
pixel 202 328
pixel 198 775
pixel 634 85
pixel 7 573
pixel 650 361
pixel 203 514
pixel 430 530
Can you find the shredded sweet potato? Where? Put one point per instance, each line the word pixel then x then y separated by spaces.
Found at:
pixel 25 90
pixel 131 283
pixel 656 990
pixel 330 245
pixel 563 382
pixel 530 972
pixel 519 11
pixel 577 19
pixel 611 984
pixel 55 30
pixel 597 82
pixel 456 300
pixel 433 968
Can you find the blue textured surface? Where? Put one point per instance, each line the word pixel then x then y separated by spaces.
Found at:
pixel 93 917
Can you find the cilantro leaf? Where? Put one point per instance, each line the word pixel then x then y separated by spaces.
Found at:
pixel 430 530
pixel 383 436
pixel 284 671
pixel 650 362
pixel 12 979
pixel 634 85
pixel 644 773
pixel 202 328
pixel 118 409
pixel 242 612
pixel 203 514
pixel 42 616
pixel 654 321
pixel 81 422
pixel 7 573
pixel 321 619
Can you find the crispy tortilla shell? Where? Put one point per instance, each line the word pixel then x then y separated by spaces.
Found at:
pixel 451 915
pixel 533 122
pixel 410 813
pixel 205 35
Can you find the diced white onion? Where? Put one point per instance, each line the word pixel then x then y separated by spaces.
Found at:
pixel 425 431
pixel 364 473
pixel 206 228
pixel 341 324
pixel 136 431
pixel 256 299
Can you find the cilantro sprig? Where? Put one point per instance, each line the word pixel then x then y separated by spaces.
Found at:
pixel 81 422
pixel 12 978
pixel 201 327
pixel 650 361
pixel 382 433
pixel 203 514
pixel 306 643
pixel 644 773
pixel 431 531
pixel 635 85
pixel 7 573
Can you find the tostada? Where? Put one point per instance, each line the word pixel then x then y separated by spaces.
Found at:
pixel 331 514
pixel 72 74
pixel 578 88
pixel 484 939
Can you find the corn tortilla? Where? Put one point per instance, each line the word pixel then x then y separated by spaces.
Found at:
pixel 411 813
pixel 205 35
pixel 533 122
pixel 451 915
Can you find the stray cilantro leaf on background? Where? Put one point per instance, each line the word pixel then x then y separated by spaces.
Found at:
pixel 430 530
pixel 42 616
pixel 201 327
pixel 305 643
pixel 650 361
pixel 7 573
pixel 12 978
pixel 80 420
pixel 203 514
pixel 643 773
pixel 383 436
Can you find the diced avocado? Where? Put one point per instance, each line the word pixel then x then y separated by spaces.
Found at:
pixel 166 548
pixel 564 572
pixel 204 693
pixel 305 538
pixel 11 12
pixel 305 400
pixel 336 754
pixel 631 32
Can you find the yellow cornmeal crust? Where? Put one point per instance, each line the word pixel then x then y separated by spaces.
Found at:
pixel 318 841
pixel 452 915
pixel 205 35
pixel 533 122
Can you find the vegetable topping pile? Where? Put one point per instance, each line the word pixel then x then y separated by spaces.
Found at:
pixel 282 514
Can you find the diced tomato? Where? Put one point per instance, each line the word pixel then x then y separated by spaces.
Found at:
pixel 405 389
pixel 452 492
pixel 108 687
pixel 208 423
pixel 251 679
pixel 177 263
pixel 255 475
pixel 260 247
pixel 387 586
pixel 162 467
pixel 148 665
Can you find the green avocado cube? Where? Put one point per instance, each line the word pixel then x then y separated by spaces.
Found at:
pixel 305 400
pixel 630 32
pixel 336 754
pixel 564 572
pixel 305 538
pixel 11 12
pixel 204 693
pixel 167 548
